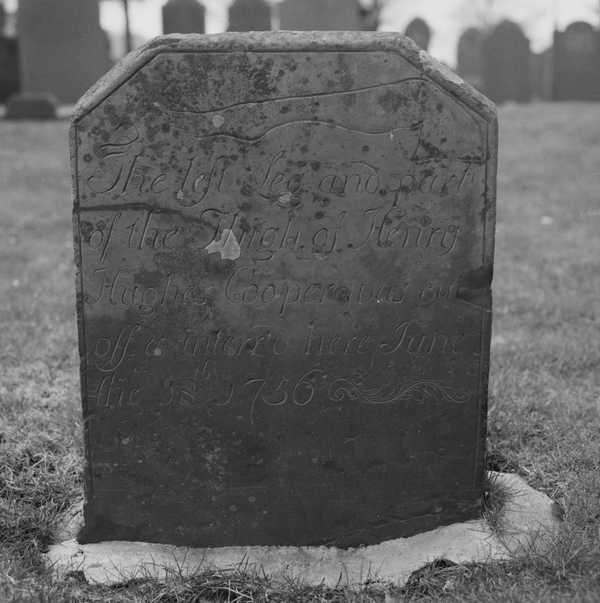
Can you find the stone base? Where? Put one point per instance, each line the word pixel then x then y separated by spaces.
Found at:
pixel 527 522
pixel 32 106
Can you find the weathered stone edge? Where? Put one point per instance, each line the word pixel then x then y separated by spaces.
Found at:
pixel 286 41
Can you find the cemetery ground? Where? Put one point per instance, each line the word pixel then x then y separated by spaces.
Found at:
pixel 544 419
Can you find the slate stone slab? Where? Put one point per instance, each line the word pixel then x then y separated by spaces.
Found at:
pixel 62 49
pixel 507 64
pixel 470 58
pixel 9 67
pixel 249 15
pixel 419 32
pixel 183 16
pixel 32 106
pixel 577 63
pixel 285 248
pixel 320 15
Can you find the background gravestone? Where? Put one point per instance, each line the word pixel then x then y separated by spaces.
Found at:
pixel 419 32
pixel 469 56
pixel 9 67
pixel 507 71
pixel 284 246
pixel 62 49
pixel 577 63
pixel 249 15
pixel 183 16
pixel 542 77
pixel 324 15
pixel 41 105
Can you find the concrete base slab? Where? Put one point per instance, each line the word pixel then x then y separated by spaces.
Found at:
pixel 528 521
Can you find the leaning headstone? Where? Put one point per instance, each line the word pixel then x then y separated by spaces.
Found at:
pixel 577 63
pixel 32 106
pixel 183 16
pixel 9 68
pixel 284 244
pixel 507 56
pixel 249 15
pixel 62 49
pixel 469 57
pixel 320 15
pixel 419 32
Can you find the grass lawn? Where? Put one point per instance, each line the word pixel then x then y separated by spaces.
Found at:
pixel 544 418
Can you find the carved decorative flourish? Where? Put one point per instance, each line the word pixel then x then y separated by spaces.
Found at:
pixel 336 94
pixel 420 391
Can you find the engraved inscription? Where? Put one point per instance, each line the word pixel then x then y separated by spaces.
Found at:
pixel 283 294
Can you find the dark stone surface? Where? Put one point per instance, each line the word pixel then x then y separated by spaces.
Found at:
pixel 9 68
pixel 285 248
pixel 507 68
pixel 320 15
pixel 542 74
pixel 61 46
pixel 32 106
pixel 577 63
pixel 249 15
pixel 419 32
pixel 183 16
pixel 469 56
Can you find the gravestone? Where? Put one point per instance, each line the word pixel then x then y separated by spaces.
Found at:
pixel 249 15
pixel 284 246
pixel 542 77
pixel 9 67
pixel 577 63
pixel 41 105
pixel 62 49
pixel 419 32
pixel 507 71
pixel 320 15
pixel 183 16
pixel 469 56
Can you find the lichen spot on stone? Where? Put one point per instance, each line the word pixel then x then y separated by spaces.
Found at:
pixel 218 121
pixel 227 246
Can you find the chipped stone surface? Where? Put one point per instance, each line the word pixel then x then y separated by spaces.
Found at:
pixel 527 524
pixel 285 248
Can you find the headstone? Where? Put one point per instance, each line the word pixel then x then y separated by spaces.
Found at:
pixel 284 244
pixel 9 68
pixel 577 63
pixel 42 105
pixel 249 15
pixel 370 15
pixel 320 15
pixel 469 57
pixel 61 46
pixel 419 32
pixel 507 74
pixel 542 77
pixel 183 16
